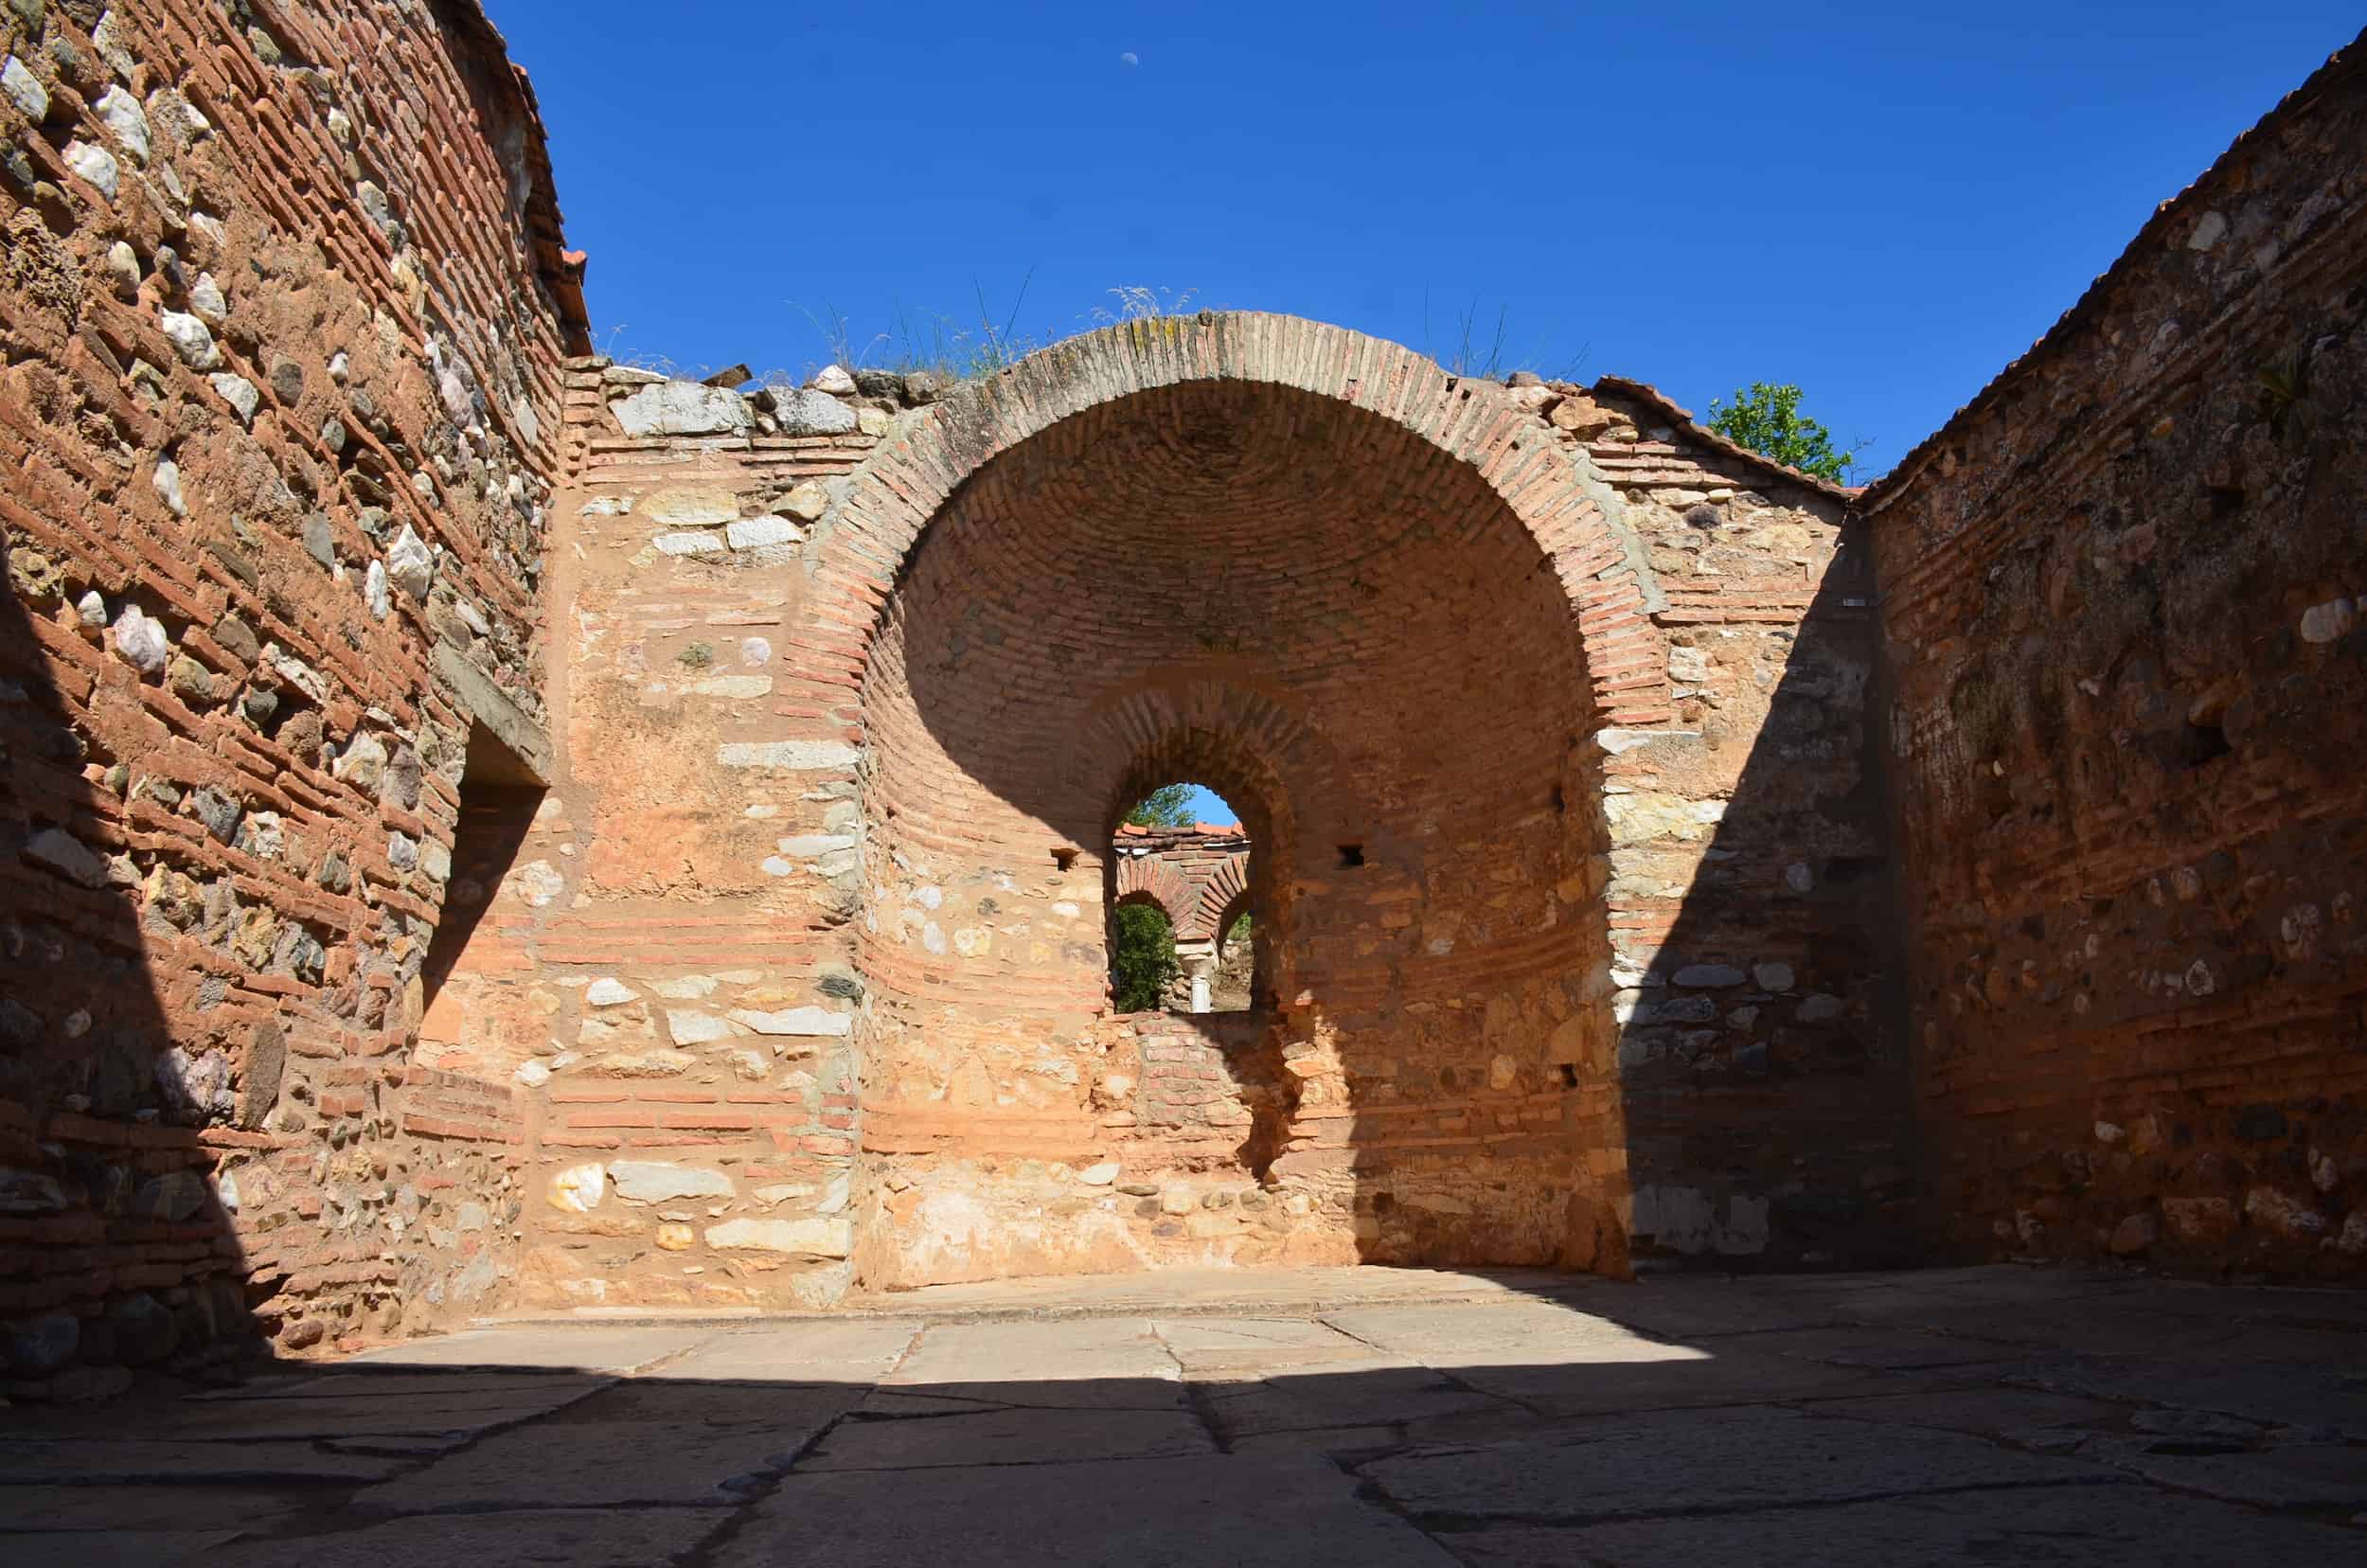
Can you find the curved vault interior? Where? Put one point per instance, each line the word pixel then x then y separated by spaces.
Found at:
pixel 1354 640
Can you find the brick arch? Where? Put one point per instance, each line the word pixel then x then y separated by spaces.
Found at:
pixel 1253 746
pixel 1148 879
pixel 1373 606
pixel 1238 736
pixel 1222 899
pixel 864 541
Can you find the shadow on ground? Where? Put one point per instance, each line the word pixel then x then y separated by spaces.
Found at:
pixel 1976 1416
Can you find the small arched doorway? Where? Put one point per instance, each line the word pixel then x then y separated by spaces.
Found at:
pixel 1178 850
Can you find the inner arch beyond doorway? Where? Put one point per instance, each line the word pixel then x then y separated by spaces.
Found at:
pixel 1369 603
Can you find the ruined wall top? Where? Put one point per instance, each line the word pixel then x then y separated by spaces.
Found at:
pixel 2202 250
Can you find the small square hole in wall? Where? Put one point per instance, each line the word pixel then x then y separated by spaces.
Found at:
pixel 1064 858
pixel 1351 854
pixel 1569 1071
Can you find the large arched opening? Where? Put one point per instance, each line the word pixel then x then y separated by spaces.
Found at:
pixel 1356 624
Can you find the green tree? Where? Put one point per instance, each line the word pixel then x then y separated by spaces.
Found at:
pixel 1169 806
pixel 1767 418
pixel 1142 957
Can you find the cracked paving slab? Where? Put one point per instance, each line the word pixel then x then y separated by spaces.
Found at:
pixel 1096 1363
pixel 1976 1410
pixel 1260 1511
pixel 855 1352
pixel 110 1548
pixel 585 1348
pixel 2285 1475
pixel 1677 1460
pixel 1007 1436
pixel 609 1463
pixel 1822 1420
pixel 2332 1397
pixel 540 1537
pixel 456 1410
pixel 98 1462
pixel 2073 1526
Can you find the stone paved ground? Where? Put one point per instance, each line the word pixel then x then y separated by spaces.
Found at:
pixel 1374 1418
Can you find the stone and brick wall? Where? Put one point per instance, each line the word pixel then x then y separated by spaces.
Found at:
pixel 675 986
pixel 2120 608
pixel 850 709
pixel 483 826
pixel 1750 887
pixel 283 313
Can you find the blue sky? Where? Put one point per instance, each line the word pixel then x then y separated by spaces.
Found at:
pixel 1883 203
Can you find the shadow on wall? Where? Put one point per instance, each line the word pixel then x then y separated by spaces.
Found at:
pixel 1761 1014
pixel 118 1251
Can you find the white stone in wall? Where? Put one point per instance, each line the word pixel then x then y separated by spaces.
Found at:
pixel 608 991
pixel 685 408
pixel 822 1237
pixel 688 543
pixel 1615 740
pixel 2327 622
pixel 411 563
pixel 113 48
pixel 240 394
pixel 691 1027
pixel 687 506
pixel 808 413
pixel 808 501
pixel 168 483
pixel 756 532
pixel 536 884
pixel 580 1188
pixel 740 686
pixel 811 845
pixel 140 641
pixel 206 302
pixel 24 90
pixel 192 339
pixel 95 164
pixel 799 755
pixel 67 855
pixel 120 113
pixel 659 1181
pixel 804 1021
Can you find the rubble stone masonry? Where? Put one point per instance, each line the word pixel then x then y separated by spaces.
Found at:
pixel 2120 606
pixel 283 316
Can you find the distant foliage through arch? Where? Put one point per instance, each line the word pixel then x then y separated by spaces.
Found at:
pixel 1142 957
